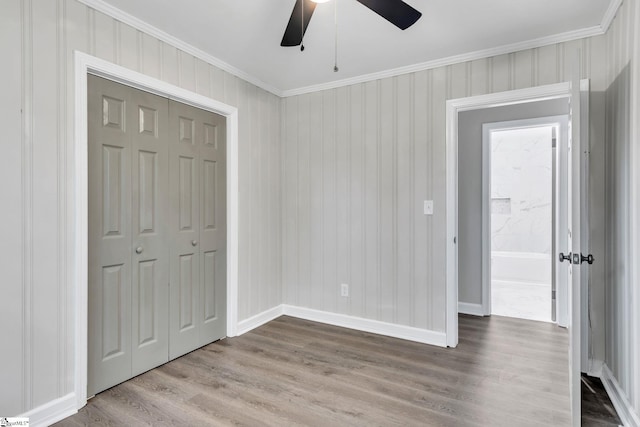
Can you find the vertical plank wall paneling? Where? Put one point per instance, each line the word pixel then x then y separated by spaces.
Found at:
pixel 11 229
pixel 364 188
pixel 37 118
pixel 621 340
pixel 26 17
pixel 45 328
pixel 342 184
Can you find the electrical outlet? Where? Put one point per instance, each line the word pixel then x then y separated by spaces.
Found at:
pixel 344 290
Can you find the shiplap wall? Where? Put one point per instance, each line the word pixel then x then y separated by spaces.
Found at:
pixel 624 86
pixel 359 161
pixel 37 40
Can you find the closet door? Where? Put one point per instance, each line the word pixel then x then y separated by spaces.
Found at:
pixel 198 228
pixel 184 188
pixel 213 228
pixel 150 230
pixel 128 254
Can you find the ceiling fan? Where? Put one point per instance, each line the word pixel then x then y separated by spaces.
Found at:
pixel 396 12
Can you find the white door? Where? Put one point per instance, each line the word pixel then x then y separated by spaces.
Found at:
pixel 575 259
pixel 128 253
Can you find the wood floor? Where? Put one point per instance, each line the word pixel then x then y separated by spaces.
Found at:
pixel 504 372
pixel 597 409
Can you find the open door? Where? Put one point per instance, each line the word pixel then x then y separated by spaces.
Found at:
pixel 576 216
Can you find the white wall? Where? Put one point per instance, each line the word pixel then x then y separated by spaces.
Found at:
pixel 622 287
pixel 354 180
pixel 38 38
pixel 358 162
pixel 521 190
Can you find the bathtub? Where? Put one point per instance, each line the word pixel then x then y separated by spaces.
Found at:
pixel 522 267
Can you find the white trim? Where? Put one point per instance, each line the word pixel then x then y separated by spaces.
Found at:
pixel 634 214
pixel 595 368
pixel 128 19
pixel 614 5
pixel 424 336
pixel 519 96
pixel 451 60
pixel 81 215
pixel 487 128
pixel 453 108
pixel 451 250
pixel 138 24
pixel 472 309
pixel 259 319
pixel 519 283
pixel 233 218
pixel 521 255
pixel 84 64
pixel 410 333
pixel 52 412
pixel 561 122
pixel 620 401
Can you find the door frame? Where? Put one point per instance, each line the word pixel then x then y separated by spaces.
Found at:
pixel 557 194
pixel 87 64
pixel 453 108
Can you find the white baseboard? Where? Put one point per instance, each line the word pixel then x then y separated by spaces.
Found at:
pixel 619 399
pixel 469 308
pixel 259 319
pixel 410 333
pixel 520 283
pixel 52 412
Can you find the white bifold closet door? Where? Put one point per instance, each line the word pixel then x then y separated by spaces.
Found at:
pixel 157 234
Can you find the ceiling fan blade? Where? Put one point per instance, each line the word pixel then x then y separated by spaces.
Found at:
pixel 294 31
pixel 397 12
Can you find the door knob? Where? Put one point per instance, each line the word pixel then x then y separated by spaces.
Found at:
pixel 589 258
pixel 563 257
pixel 139 250
pixel 194 243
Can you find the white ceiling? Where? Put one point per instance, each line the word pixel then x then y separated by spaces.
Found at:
pixel 246 34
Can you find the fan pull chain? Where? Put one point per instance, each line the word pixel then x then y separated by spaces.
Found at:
pixel 335 20
pixel 302 27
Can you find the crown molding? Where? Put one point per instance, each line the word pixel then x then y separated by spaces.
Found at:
pixel 614 5
pixel 451 60
pixel 120 15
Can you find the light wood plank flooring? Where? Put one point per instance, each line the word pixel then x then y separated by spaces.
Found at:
pixel 504 372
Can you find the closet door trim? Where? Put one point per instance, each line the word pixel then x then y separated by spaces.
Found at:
pixel 78 264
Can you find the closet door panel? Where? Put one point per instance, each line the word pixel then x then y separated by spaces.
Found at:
pixel 150 224
pixel 128 233
pixel 211 136
pixel 109 152
pixel 184 226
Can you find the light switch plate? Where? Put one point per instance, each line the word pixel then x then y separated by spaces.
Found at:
pixel 428 207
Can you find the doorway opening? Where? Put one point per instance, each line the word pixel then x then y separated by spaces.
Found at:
pixel 520 187
pixel 463 239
